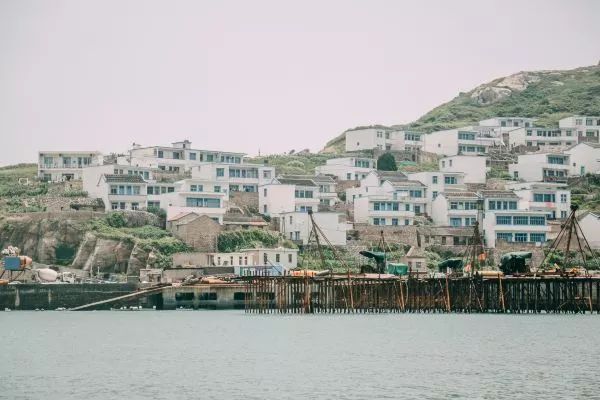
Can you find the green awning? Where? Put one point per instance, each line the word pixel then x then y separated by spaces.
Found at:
pixel 452 263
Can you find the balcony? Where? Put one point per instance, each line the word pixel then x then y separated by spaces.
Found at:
pixel 65 166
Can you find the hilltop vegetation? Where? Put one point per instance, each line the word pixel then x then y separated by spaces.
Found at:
pixel 546 95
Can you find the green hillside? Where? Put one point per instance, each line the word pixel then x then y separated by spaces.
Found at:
pixel 547 95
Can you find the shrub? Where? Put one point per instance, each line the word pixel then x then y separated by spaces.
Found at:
pixel 236 240
pixel 387 162
pixel 116 219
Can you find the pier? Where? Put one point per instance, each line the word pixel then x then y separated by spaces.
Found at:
pixel 354 294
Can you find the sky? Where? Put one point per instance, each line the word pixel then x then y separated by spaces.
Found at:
pixel 259 76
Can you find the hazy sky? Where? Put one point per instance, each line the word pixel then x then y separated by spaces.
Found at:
pixel 269 75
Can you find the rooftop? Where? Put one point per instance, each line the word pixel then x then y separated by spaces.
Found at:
pixel 498 194
pixel 460 195
pixel 111 178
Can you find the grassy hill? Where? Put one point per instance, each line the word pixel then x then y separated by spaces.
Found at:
pixel 547 95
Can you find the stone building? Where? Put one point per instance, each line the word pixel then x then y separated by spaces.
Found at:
pixel 198 231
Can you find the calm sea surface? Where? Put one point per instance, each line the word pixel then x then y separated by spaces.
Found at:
pixel 230 355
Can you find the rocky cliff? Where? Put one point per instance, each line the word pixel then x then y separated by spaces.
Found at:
pixel 65 238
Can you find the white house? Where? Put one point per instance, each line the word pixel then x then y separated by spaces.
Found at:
pixel 459 141
pixel 288 194
pixel 590 226
pixel 296 226
pixel 277 257
pixel 548 139
pixel 508 122
pixel 541 167
pixel 374 138
pixel 59 166
pixel 191 196
pixel 233 177
pixel 121 187
pixel 393 203
pixel 371 184
pixel 438 182
pixel 519 226
pixel 552 198
pixel 584 158
pixel 179 157
pixel 585 128
pixel 413 141
pixel 473 167
pixel 455 209
pixel 347 168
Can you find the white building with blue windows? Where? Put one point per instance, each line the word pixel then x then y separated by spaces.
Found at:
pixel 465 141
pixel 456 209
pixel 541 167
pixel 347 168
pixel 61 166
pixel 393 203
pixel 179 157
pixel 518 226
pixel 552 198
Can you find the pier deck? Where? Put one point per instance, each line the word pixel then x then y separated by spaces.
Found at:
pixel 339 294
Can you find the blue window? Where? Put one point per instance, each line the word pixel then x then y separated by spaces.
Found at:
pixel 203 202
pixel 537 237
pixel 503 220
pixel 455 221
pixel 537 221
pixel 450 180
pixel 520 237
pixel 220 171
pixel 520 220
pixel 395 221
pixel 192 156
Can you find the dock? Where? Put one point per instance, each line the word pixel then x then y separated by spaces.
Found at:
pixel 354 294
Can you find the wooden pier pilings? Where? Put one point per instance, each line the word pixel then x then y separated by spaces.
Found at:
pixel 340 294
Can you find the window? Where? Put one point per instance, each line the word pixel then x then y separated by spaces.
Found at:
pixel 537 237
pixel 122 205
pixel 563 214
pixel 455 222
pixel 291 219
pixel 113 190
pixel 264 209
pixel 434 179
pixel 563 198
pixel 537 221
pixel 349 176
pixel 544 198
pixel 520 220
pixel 203 202
pixel 210 157
pixel 217 189
pixel 114 206
pixel 395 221
pixel 450 180
pixel 277 257
pixel 265 192
pixel 265 258
pixel 503 220
pixel 520 237
pixel 504 236
pixel 470 221
pixel 378 221
pixel 135 206
pixel 406 222
pixel 290 258
pixel 528 132
pixel 170 189
pixel 192 156
pixel 160 154
pixel 220 171
pixel 434 194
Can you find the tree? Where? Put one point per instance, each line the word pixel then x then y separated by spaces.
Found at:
pixel 387 162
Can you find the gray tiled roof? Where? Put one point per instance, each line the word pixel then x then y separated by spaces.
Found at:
pixel 111 178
